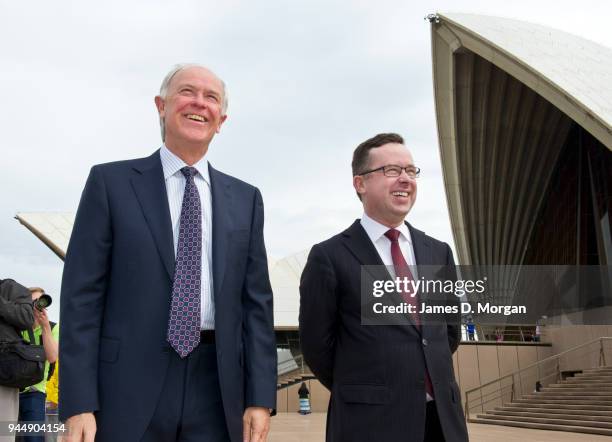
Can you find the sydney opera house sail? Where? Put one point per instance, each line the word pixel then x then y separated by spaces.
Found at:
pixel 525 128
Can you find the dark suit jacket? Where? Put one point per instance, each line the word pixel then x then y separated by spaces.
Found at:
pixel 116 293
pixel 376 374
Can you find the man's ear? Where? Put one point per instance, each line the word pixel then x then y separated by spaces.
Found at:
pixel 223 118
pixel 359 184
pixel 160 105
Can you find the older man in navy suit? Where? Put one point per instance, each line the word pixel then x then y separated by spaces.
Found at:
pixel 166 305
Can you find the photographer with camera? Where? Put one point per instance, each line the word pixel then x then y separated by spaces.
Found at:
pixel 15 314
pixel 32 399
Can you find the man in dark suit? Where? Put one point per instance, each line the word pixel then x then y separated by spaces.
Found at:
pixel 166 305
pixel 388 383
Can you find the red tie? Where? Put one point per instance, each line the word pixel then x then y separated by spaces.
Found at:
pixel 403 271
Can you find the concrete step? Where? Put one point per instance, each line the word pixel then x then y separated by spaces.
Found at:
pixel 561 405
pixel 592 377
pixel 562 401
pixel 547 415
pixel 600 376
pixel 593 373
pixel 573 381
pixel 544 420
pixel 540 426
pixel 564 396
pixel 593 385
pixel 556 411
pixel 586 390
pixel 598 369
pixel 574 392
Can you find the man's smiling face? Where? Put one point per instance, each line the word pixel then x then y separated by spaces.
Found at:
pixel 387 199
pixel 193 108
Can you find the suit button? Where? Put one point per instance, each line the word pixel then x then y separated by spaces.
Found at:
pixel 424 341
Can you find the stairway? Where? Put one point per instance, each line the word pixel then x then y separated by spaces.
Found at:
pixel 581 404
pixel 296 377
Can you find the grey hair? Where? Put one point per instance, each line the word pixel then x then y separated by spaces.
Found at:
pixel 163 89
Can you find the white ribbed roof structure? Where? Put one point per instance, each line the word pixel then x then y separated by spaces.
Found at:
pixel 54 230
pixel 285 279
pixel 507 94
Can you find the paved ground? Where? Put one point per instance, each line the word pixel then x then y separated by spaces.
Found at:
pixel 292 427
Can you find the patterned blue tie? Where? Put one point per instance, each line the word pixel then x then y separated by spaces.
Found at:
pixel 184 322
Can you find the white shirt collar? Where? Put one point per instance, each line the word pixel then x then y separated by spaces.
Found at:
pixel 172 164
pixel 376 230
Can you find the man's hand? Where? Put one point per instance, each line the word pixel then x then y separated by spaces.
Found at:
pixel 255 424
pixel 49 342
pixel 80 428
pixel 42 319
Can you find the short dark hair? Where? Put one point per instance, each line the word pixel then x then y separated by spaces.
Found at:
pixel 362 153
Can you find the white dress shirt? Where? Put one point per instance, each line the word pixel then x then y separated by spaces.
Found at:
pixel 376 232
pixel 175 188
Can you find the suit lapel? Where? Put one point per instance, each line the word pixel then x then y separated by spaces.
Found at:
pixel 357 241
pixel 150 188
pixel 222 225
pixel 359 244
pixel 421 246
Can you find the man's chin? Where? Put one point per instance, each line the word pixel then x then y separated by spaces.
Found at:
pixel 194 139
pixel 402 210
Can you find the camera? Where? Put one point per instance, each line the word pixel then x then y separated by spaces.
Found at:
pixel 43 302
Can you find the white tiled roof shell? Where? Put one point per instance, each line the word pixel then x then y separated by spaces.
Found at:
pixel 580 68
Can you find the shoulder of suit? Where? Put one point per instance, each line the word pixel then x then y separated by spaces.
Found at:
pixel 335 240
pixel 330 242
pixel 235 182
pixel 123 164
pixel 434 242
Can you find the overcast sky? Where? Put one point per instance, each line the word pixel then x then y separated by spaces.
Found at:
pixel 307 82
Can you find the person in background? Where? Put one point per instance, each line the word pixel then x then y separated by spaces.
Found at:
pixel 33 399
pixel 15 314
pixel 304 395
pixel 471 329
pixel 53 388
pixel 538 333
pixel 499 334
pixel 53 397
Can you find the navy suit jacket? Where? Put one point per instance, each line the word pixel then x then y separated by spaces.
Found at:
pixel 376 373
pixel 116 293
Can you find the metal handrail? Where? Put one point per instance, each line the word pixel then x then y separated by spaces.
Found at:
pixel 483 330
pixel 557 357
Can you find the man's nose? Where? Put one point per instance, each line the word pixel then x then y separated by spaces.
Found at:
pixel 199 100
pixel 405 177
